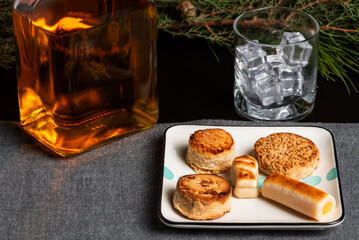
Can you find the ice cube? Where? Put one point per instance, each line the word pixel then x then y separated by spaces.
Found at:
pixel 262 76
pixel 297 52
pixel 241 78
pixel 291 78
pixel 275 60
pixel 239 63
pixel 250 46
pixel 268 88
pixel 253 58
pixel 291 37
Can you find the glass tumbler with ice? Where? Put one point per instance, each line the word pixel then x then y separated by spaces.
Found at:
pixel 276 59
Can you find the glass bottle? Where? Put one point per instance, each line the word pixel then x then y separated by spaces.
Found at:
pixel 86 70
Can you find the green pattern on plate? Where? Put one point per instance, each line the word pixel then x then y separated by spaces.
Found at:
pixel 167 173
pixel 332 174
pixel 312 180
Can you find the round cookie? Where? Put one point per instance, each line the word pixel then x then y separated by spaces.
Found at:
pixel 210 151
pixel 202 196
pixel 286 153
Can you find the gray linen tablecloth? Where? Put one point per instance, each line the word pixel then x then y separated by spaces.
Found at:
pixel 112 192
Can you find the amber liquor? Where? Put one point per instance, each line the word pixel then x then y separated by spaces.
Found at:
pixel 86 72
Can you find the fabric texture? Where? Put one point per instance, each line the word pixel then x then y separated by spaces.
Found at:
pixel 113 191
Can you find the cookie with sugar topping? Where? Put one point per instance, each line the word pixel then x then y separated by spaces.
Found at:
pixel 287 153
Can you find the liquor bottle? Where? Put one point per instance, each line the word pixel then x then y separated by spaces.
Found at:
pixel 86 70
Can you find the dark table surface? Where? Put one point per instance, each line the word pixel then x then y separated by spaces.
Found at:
pixel 195 83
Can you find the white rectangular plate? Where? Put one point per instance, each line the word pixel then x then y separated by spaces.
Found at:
pixel 257 213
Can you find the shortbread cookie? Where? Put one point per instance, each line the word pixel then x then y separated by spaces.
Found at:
pixel 286 153
pixel 244 177
pixel 210 151
pixel 299 196
pixel 202 196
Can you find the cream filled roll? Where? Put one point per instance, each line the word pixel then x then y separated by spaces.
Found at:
pixel 299 196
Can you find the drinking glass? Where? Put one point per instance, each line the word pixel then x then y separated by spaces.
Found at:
pixel 276 61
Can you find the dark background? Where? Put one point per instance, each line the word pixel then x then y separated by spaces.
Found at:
pixel 193 84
